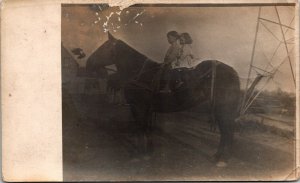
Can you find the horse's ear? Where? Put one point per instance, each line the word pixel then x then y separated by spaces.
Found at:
pixel 111 37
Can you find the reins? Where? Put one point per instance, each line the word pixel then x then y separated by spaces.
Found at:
pixel 143 71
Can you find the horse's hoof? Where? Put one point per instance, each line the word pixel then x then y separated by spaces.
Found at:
pixel 147 157
pixel 221 164
pixel 215 157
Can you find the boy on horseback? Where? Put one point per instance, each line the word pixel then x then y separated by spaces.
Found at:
pixel 173 52
pixel 172 55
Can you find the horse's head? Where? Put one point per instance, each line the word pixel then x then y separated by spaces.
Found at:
pixel 105 55
pixel 127 60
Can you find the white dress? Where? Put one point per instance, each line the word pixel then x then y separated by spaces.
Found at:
pixel 186 57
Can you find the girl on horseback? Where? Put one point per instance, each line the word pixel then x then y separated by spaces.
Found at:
pixel 186 56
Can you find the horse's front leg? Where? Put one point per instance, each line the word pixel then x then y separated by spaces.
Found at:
pixel 143 132
pixel 149 131
pixel 146 131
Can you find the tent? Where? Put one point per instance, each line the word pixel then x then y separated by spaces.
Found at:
pixel 69 66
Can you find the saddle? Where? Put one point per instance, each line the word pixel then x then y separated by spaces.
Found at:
pixel 174 78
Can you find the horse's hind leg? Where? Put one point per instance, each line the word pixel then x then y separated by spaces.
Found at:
pixel 226 127
pixel 212 123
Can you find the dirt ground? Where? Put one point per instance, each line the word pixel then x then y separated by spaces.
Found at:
pixel 98 145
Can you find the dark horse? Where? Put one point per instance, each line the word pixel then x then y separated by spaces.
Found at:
pixel 210 80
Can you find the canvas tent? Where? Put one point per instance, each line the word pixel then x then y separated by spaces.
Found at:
pixel 69 66
pixel 74 78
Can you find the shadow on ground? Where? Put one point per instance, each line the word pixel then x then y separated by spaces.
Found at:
pixel 98 145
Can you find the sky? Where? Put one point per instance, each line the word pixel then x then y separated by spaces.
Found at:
pixel 220 33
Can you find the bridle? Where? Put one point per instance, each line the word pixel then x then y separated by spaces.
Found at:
pixel 142 69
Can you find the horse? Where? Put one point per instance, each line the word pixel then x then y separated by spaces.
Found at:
pixel 210 80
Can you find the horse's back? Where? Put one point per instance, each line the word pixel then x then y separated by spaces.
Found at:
pixel 222 75
pixel 221 79
pixel 223 72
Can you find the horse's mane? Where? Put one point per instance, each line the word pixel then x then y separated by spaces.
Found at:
pixel 129 49
pixel 131 63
